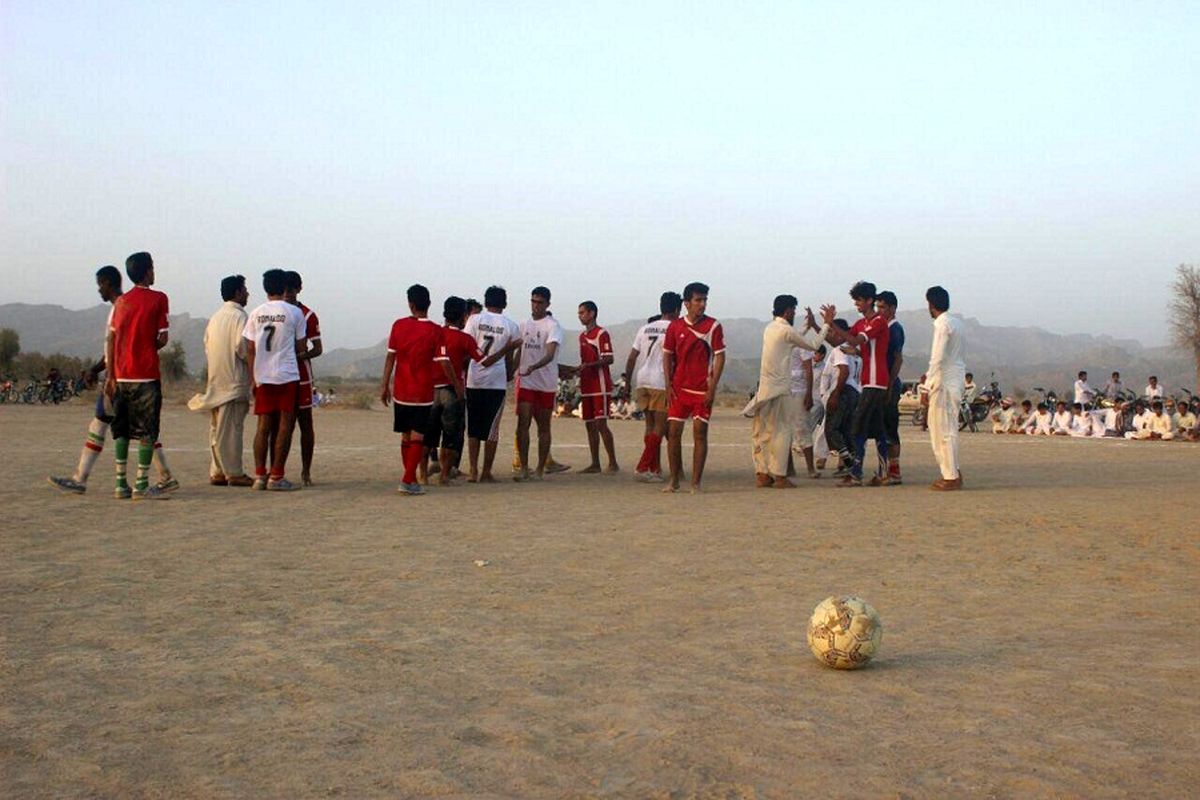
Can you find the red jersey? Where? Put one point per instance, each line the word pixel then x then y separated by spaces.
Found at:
pixel 138 317
pixel 460 349
pixel 312 332
pixel 874 352
pixel 693 347
pixel 594 376
pixel 415 342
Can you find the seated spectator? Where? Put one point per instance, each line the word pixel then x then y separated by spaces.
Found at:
pixel 1041 422
pixel 1021 416
pixel 1004 418
pixel 1193 433
pixel 1154 425
pixel 1061 426
pixel 1081 423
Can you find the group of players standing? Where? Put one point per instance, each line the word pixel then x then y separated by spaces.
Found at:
pixel 446 382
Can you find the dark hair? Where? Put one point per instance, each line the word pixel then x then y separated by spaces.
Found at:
pixel 1077 405
pixel 230 286
pixel 541 291
pixel 293 280
pixel 693 289
pixel 655 318
pixel 1157 405
pixel 110 275
pixel 669 303
pixel 1082 372
pixel 495 297
pixel 863 290
pixel 473 305
pixel 1060 402
pixel 1025 403
pixel 1153 377
pixel 888 298
pixel 1043 407
pixel 454 309
pixel 590 306
pixel 275 282
pixel 1116 374
pixel 137 265
pixel 969 375
pixel 938 297
pixel 841 324
pixel 418 297
pixel 821 350
pixel 783 302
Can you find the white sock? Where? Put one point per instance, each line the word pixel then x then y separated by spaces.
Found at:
pixel 92 446
pixel 160 458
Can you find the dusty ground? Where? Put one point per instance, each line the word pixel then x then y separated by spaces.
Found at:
pixel 1040 628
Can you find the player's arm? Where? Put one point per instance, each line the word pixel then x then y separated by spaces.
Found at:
pixel 668 357
pixel 385 390
pixel 843 372
pixel 251 351
pixel 110 349
pixel 551 352
pixel 808 375
pixel 460 391
pixel 313 350
pixel 895 374
pixel 630 363
pixel 504 352
pixel 718 368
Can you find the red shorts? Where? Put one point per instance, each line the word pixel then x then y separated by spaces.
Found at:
pixel 594 406
pixel 543 400
pixel 686 404
pixel 272 397
pixel 304 395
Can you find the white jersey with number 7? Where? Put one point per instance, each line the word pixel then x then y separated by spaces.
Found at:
pixel 275 327
pixel 648 343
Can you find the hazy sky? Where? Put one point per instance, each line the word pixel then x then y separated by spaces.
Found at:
pixel 1041 159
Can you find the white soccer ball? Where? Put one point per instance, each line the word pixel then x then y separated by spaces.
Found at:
pixel 844 632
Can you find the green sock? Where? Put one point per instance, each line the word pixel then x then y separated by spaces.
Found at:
pixel 145 456
pixel 121 447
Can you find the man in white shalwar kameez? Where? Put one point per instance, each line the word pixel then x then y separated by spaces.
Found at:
pixel 945 379
pixel 227 394
pixel 774 424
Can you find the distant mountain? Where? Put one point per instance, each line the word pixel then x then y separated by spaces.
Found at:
pixel 1020 358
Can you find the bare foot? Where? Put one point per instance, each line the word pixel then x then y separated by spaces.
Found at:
pixel 487 477
pixel 443 480
pixel 611 469
pixel 594 469
pixel 472 478
pixel 521 476
pixel 762 480
pixel 670 488
pixel 782 483
pixel 696 489
pixel 306 479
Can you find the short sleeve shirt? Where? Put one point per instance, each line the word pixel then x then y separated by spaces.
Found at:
pixel 874 352
pixel 799 373
pixel 415 341
pixel 312 332
pixel 895 349
pixel 492 332
pixel 693 346
pixel 595 378
pixel 458 348
pixel 275 327
pixel 649 344
pixel 138 317
pixel 536 335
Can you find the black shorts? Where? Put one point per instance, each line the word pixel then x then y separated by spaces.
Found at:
pixel 447 417
pixel 484 407
pixel 868 414
pixel 891 416
pixel 104 408
pixel 410 418
pixel 137 408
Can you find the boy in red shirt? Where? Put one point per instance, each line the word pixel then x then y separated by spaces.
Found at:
pixel 693 360
pixel 595 386
pixel 412 347
pixel 137 332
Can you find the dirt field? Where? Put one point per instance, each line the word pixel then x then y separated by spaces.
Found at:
pixel 1040 627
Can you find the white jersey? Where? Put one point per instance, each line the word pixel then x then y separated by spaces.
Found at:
pixel 648 343
pixel 492 332
pixel 799 375
pixel 853 364
pixel 535 336
pixel 275 327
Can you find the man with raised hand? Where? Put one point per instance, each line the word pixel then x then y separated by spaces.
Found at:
pixel 774 422
pixel 108 283
pixel 537 381
pixel 651 392
pixel 226 395
pixel 693 360
pixel 274 335
pixel 945 378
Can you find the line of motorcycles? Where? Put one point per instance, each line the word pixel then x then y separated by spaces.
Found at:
pixel 40 391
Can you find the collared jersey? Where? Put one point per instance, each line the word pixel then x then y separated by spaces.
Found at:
pixel 138 317
pixel 415 342
pixel 649 344
pixel 874 352
pixel 275 327
pixel 492 332
pixel 536 335
pixel 594 375
pixel 694 346
pixel 459 348
pixel 312 332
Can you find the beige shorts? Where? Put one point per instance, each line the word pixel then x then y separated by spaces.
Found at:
pixel 650 399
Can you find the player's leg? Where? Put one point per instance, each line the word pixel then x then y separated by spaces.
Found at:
pixel 591 425
pixel 759 445
pixel 267 422
pixel 146 411
pixel 674 454
pixel 699 450
pixel 93 446
pixel 892 428
pixel 304 421
pixel 524 418
pixel 216 470
pixel 542 415
pixel 610 447
pixel 494 411
pixel 120 434
pixel 283 444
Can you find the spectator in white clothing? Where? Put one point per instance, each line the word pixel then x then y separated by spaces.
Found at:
pixel 1084 394
pixel 1153 391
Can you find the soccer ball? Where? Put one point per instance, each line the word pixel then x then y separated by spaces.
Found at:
pixel 844 632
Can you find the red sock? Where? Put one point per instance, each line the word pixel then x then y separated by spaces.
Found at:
pixel 894 468
pixel 411 453
pixel 655 447
pixel 644 462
